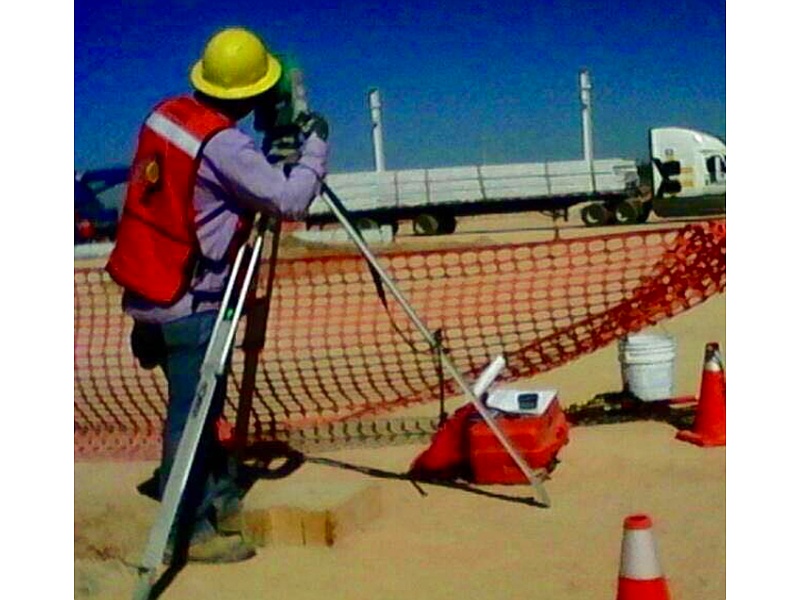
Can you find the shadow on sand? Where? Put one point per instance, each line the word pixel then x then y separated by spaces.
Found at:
pixel 457 485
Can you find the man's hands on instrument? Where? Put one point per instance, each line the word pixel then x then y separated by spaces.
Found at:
pixel 312 122
pixel 282 145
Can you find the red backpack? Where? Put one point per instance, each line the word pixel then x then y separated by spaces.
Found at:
pixel 447 456
pixel 156 247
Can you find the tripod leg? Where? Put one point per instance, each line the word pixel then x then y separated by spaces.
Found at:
pixel 254 339
pixel 214 364
pixel 336 206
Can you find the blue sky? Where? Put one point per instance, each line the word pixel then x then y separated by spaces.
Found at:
pixel 461 82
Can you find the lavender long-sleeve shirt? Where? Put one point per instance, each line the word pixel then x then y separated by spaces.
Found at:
pixel 233 178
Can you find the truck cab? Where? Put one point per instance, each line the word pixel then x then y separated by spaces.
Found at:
pixel 688 169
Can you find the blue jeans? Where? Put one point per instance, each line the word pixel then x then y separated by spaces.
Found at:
pixel 211 487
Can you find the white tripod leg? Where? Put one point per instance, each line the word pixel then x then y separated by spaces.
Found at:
pixel 211 371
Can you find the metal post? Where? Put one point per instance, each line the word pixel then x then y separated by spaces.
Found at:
pixel 377 129
pixel 336 207
pixel 255 336
pixel 211 372
pixel 586 115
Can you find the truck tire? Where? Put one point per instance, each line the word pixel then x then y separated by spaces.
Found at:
pixel 644 212
pixel 367 223
pixel 427 224
pixel 628 212
pixel 595 215
pixel 448 224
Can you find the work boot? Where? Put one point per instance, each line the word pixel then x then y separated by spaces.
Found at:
pixel 217 549
pixel 231 524
pixel 230 518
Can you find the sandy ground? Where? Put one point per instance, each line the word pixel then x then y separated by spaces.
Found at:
pixel 456 543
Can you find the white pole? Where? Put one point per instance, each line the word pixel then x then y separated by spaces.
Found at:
pixel 586 114
pixel 377 129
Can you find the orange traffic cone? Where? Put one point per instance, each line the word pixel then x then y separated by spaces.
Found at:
pixel 709 421
pixel 640 575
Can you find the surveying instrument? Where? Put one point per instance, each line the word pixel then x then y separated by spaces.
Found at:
pixel 215 363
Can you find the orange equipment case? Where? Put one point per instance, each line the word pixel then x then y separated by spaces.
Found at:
pixel 538 438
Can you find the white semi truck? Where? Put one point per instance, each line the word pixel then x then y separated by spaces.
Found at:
pixel 686 177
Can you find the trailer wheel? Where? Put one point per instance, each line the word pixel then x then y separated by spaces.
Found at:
pixel 427 224
pixel 448 224
pixel 627 212
pixel 595 215
pixel 644 212
pixel 367 223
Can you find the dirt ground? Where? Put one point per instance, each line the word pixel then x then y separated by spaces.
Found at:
pixel 457 543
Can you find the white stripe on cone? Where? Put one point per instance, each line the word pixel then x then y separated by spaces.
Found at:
pixel 639 557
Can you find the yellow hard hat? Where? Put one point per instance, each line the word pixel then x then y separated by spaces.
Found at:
pixel 235 64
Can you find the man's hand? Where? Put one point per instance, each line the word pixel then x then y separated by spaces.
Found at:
pixel 312 123
pixel 285 147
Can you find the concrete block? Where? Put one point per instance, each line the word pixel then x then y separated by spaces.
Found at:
pixel 308 513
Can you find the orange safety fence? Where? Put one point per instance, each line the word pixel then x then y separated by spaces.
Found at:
pixel 332 352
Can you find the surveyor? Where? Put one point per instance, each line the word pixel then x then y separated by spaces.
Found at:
pixel 196 182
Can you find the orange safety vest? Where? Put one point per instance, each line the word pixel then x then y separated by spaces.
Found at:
pixel 156 248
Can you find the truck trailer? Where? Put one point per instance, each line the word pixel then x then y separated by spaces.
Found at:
pixel 687 173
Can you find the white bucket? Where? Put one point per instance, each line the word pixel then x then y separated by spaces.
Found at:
pixel 648 365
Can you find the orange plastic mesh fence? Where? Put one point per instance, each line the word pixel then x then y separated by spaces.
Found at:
pixel 332 353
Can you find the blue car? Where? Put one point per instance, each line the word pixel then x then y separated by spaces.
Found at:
pixel 94 220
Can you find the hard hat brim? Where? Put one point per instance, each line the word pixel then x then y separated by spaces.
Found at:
pixel 269 79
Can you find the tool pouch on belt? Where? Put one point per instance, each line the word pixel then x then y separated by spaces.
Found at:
pixel 148 345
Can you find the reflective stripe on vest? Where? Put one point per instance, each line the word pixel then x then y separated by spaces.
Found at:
pixel 174 133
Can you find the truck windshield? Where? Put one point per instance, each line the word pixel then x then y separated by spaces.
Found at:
pixel 715 165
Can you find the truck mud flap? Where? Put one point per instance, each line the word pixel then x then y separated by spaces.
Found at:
pixel 696 206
